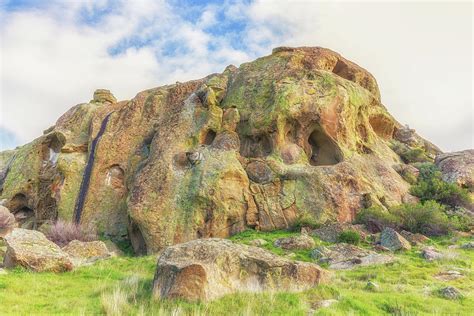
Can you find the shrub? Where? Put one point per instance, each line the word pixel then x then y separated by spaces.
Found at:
pixel 62 232
pixel 427 218
pixel 408 154
pixel 350 237
pixel 304 220
pixel 431 186
pixel 375 219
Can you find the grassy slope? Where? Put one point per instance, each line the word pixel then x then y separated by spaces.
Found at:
pixel 123 286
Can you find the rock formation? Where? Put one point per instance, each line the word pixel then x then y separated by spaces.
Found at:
pixel 301 133
pixel 210 268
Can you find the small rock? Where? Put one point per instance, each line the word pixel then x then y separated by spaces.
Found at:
pixel 449 275
pixel 371 286
pixel 83 253
pixel 450 293
pixel 430 254
pixel 295 243
pixel 392 240
pixel 414 239
pixel 469 245
pixel 325 303
pixel 258 242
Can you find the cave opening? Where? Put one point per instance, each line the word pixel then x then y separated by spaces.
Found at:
pixel 254 146
pixel 324 150
pixel 20 209
pixel 136 239
pixel 209 137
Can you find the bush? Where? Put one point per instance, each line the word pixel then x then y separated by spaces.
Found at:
pixel 350 237
pixel 304 220
pixel 375 219
pixel 62 232
pixel 408 154
pixel 431 186
pixel 428 218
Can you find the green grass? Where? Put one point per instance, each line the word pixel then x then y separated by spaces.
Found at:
pixel 122 286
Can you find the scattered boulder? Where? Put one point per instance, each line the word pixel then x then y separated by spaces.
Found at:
pixel 258 242
pixel 450 293
pixel 431 254
pixel 449 275
pixel 32 250
pixel 7 221
pixel 331 232
pixel 300 242
pixel 86 252
pixel 259 172
pixel 415 239
pixel 392 240
pixel 345 256
pixel 457 167
pixel 469 245
pixel 206 269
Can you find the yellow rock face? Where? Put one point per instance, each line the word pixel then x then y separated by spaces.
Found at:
pixel 297 134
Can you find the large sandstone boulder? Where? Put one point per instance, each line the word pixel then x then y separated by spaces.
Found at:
pixel 32 250
pixel 7 221
pixel 209 268
pixel 86 252
pixel 301 133
pixel 458 167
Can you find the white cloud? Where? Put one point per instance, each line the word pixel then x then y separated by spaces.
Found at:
pixel 421 54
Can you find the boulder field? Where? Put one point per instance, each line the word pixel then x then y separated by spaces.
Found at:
pixel 299 134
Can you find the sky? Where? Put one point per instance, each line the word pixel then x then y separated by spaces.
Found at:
pixel 54 54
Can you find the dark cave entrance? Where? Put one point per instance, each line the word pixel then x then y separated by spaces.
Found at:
pixel 136 239
pixel 254 146
pixel 209 137
pixel 324 150
pixel 20 209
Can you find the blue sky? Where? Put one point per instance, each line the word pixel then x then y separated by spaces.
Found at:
pixel 54 54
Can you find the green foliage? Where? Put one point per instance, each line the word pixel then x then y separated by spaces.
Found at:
pixel 304 220
pixel 427 218
pixel 350 237
pixel 431 186
pixel 408 154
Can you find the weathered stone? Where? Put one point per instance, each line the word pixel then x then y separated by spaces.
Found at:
pixel 431 254
pixel 457 167
pixel 345 256
pixel 7 221
pixel 104 96
pixel 30 249
pixel 415 239
pixel 392 240
pixel 449 275
pixel 83 253
pixel 295 243
pixel 468 245
pixel 450 293
pixel 210 268
pixel 259 172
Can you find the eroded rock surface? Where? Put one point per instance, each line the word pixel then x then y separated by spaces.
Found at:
pixel 392 240
pixel 301 133
pixel 209 268
pixel 31 250
pixel 83 253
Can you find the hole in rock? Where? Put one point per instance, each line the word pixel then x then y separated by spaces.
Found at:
pixel 324 150
pixel 342 70
pixel 209 137
pixel 253 146
pixel 115 177
pixel 382 126
pixel 136 239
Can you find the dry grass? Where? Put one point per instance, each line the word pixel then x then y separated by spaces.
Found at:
pixel 62 232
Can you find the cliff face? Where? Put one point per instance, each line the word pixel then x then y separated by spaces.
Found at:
pixel 300 134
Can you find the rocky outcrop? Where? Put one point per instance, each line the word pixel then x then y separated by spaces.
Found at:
pixel 7 221
pixel 301 133
pixel 31 250
pixel 345 256
pixel 210 268
pixel 331 232
pixel 458 167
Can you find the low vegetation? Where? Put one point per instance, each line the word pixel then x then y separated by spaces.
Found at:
pixel 62 232
pixel 122 286
pixel 350 237
pixel 409 155
pixel 430 186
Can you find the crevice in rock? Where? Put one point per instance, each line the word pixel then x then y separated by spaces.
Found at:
pixel 254 146
pixel 342 70
pixel 382 126
pixel 81 197
pixel 20 208
pixel 323 150
pixel 136 238
pixel 209 137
